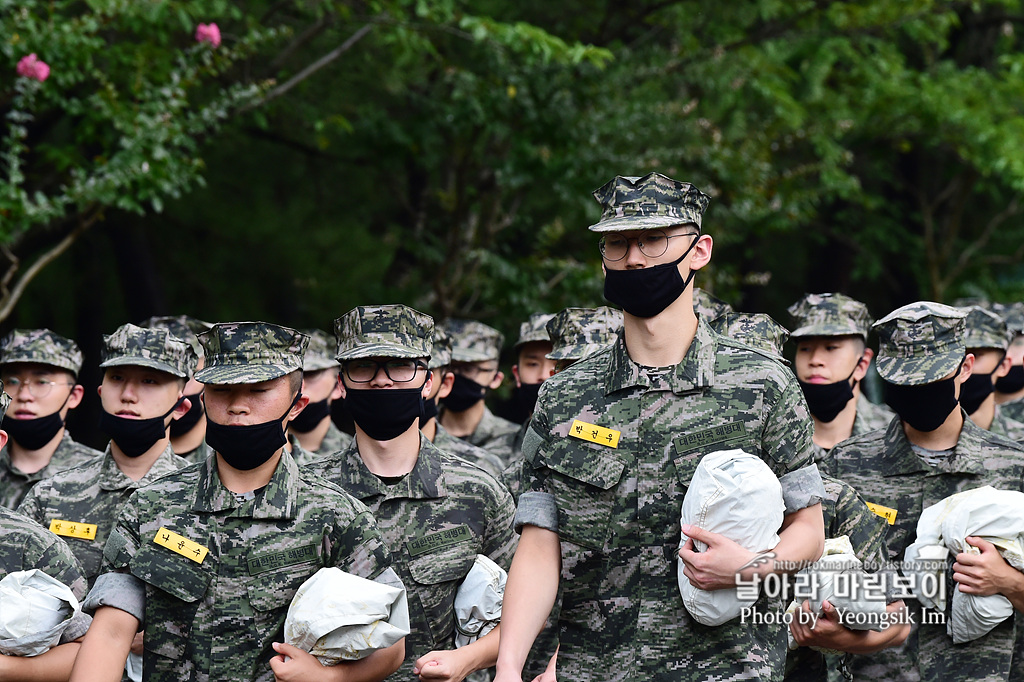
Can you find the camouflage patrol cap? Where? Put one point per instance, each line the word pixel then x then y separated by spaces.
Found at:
pixel 984 329
pixel 250 352
pixel 320 351
pixel 920 343
pixel 655 200
pixel 707 306
pixel 1013 316
pixel 441 349
pixel 182 326
pixel 754 329
pixel 41 346
pixel 5 399
pixel 829 315
pixel 389 331
pixel 473 341
pixel 579 332
pixel 534 329
pixel 155 348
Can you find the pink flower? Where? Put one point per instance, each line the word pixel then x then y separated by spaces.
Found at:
pixel 31 66
pixel 208 33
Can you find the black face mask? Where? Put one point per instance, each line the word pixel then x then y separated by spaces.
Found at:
pixel 311 416
pixel 924 407
pixel 1013 381
pixel 385 414
pixel 429 410
pixel 135 436
pixel 179 427
pixel 645 292
pixel 826 401
pixel 247 446
pixel 526 397
pixel 465 394
pixel 974 391
pixel 33 434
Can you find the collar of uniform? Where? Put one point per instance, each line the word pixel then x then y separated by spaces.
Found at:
pixel 5 463
pixel 966 459
pixel 900 458
pixel 112 478
pixel 424 482
pixel 277 501
pixel 695 371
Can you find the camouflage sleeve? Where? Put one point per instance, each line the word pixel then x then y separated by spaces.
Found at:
pixel 802 488
pixel 115 586
pixel 786 441
pixel 865 529
pixel 537 506
pixel 499 542
pixel 52 556
pixel 78 626
pixel 30 505
pixel 357 547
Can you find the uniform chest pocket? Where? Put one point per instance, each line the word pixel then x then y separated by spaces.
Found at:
pixel 584 481
pixel 179 586
pixel 436 577
pixel 271 591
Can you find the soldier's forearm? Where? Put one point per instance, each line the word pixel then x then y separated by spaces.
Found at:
pixel 105 648
pixel 52 666
pixel 802 538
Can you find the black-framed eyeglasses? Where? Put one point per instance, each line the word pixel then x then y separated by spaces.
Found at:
pixel 363 370
pixel 652 243
pixel 37 388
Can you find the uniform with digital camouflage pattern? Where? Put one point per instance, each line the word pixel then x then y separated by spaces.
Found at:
pixel 197 455
pixel 1010 429
pixel 578 332
pixel 829 315
pixel 754 329
pixel 42 346
pixel 844 513
pixel 885 470
pixel 484 459
pixel 250 352
pixel 334 440
pixel 435 521
pixel 91 493
pixel 652 201
pixel 920 343
pixel 152 347
pixel 617 518
pixel 870 416
pixel 1013 315
pixel 216 620
pixel 15 484
pixel 391 331
pixel 184 327
pixel 25 545
pixel 709 306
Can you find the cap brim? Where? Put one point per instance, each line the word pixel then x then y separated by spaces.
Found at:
pixel 916 371
pixel 825 330
pixel 577 352
pixel 382 350
pixel 314 365
pixel 242 374
pixel 460 355
pixel 640 223
pixel 12 358
pixel 128 361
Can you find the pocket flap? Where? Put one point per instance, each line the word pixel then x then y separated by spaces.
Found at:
pixel 176 575
pixel 442 566
pixel 591 464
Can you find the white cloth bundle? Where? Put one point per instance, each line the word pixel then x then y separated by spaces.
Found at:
pixel 337 616
pixel 993 515
pixel 478 601
pixel 735 494
pixel 838 577
pixel 35 609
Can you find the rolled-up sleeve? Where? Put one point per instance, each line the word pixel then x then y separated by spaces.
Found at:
pixel 802 488
pixel 122 591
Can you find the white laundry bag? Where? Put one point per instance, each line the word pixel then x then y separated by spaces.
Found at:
pixel 35 609
pixel 478 601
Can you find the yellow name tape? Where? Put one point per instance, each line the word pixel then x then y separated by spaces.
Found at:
pixel 594 433
pixel 180 545
pixel 71 529
pixel 885 512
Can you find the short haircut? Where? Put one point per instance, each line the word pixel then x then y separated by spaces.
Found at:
pixel 295 380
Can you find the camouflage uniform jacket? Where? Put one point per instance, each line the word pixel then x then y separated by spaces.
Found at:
pixel 844 513
pixel 494 435
pixel 25 545
pixel 435 521
pixel 14 484
pixel 484 459
pixel 870 416
pixel 885 470
pixel 91 493
pixel 216 620
pixel 512 476
pixel 1014 409
pixel 335 440
pixel 616 509
pixel 1006 427
pixel 199 454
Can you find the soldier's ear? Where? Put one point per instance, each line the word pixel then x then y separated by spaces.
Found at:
pixel 498 378
pixel 77 393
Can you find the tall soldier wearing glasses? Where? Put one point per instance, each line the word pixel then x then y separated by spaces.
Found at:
pixel 436 511
pixel 40 370
pixel 613 444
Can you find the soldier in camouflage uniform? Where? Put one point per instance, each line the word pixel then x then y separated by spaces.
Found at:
pixel 844 513
pixel 40 370
pixel 145 371
pixel 831 360
pixel 610 452
pixel 475 352
pixel 188 434
pixel 532 366
pixel 440 386
pixel 25 545
pixel 313 430
pixel 708 306
pixel 987 339
pixel 931 451
pixel 436 511
pixel 207 559
pixel 1010 388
